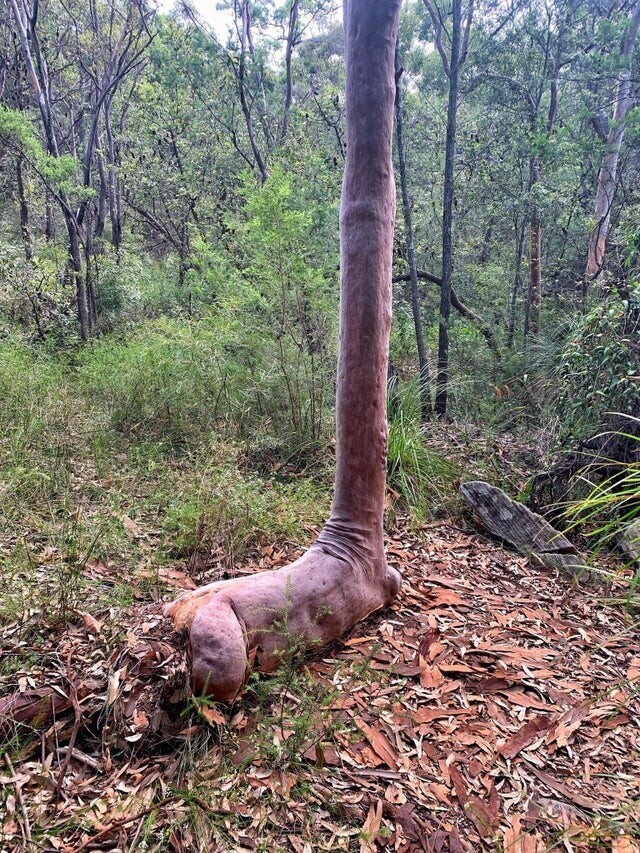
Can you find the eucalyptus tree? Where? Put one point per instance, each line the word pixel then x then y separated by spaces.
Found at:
pixel 453 57
pixel 241 623
pixel 76 60
pixel 423 363
pixel 184 145
pixel 611 133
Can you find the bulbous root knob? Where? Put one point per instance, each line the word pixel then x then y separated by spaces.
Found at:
pixel 256 620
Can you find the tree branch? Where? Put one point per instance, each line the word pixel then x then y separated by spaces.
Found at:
pixel 485 330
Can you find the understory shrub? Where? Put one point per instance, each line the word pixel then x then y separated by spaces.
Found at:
pixel 162 383
pixel 600 366
pixel 221 511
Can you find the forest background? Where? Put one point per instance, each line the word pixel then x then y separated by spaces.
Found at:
pixel 169 282
pixel 171 199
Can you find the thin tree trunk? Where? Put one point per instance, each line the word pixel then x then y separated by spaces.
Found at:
pixel 113 184
pixel 89 284
pixel 244 104
pixel 442 380
pixel 517 284
pixel 423 364
pixel 288 56
pixel 103 195
pixel 24 212
pixel 608 174
pixel 534 301
pixel 344 575
pixel 49 219
pixel 77 279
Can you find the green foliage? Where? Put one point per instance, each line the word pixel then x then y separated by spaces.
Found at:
pixel 600 368
pixel 162 383
pixel 34 419
pixel 82 448
pixel 612 506
pixel 17 130
pixel 421 477
pixel 285 307
pixel 222 511
pixel 33 296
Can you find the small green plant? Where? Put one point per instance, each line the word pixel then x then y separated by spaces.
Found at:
pixel 421 477
pixel 609 514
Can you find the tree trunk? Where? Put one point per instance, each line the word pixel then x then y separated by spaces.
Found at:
pixel 77 278
pixel 423 364
pixel 517 283
pixel 288 56
pixel 442 381
pixel 240 72
pixel 608 174
pixel 113 183
pixel 534 300
pixel 344 575
pixel 49 219
pixel 24 212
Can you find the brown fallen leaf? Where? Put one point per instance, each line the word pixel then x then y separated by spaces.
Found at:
pixel 483 814
pixel 430 677
pixel 624 844
pixel 427 715
pixel 525 736
pixel 371 828
pixel 568 723
pixel 516 840
pixel 92 625
pixel 446 597
pixel 560 788
pixel 173 577
pixel 380 744
pixel 213 716
pixel 633 671
pixel 131 526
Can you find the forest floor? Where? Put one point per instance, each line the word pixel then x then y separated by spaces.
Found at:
pixel 494 706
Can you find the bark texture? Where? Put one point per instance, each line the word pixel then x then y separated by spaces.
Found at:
pixel 528 532
pixel 608 174
pixel 344 575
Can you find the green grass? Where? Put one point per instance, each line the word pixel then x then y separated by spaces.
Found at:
pixel 113 455
pixel 421 477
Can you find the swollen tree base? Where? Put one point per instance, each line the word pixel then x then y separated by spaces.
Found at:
pixel 252 622
pixel 255 621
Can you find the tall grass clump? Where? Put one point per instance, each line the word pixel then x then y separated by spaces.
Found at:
pixel 421 477
pixel 36 429
pixel 610 511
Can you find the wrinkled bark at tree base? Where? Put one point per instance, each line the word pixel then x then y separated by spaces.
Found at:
pixel 255 621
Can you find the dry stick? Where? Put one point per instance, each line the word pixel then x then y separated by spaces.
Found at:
pixel 20 799
pixel 118 824
pixel 73 696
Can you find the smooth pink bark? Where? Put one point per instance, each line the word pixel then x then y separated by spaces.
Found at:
pixel 344 575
